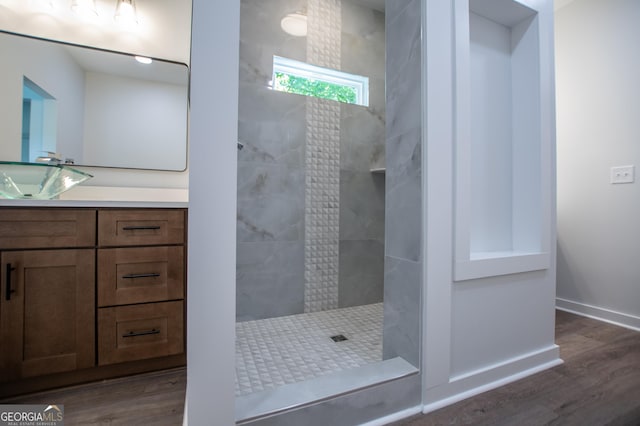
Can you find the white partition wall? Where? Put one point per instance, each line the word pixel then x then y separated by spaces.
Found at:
pixel 500 170
pixel 489 196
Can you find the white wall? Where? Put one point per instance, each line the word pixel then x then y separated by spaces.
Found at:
pixel 128 120
pixel 211 292
pixel 598 95
pixel 480 333
pixel 491 133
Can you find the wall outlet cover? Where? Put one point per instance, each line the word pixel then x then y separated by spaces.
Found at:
pixel 623 174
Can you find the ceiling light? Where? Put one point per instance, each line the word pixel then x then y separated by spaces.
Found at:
pixel 144 60
pixel 126 12
pixel 84 8
pixel 295 24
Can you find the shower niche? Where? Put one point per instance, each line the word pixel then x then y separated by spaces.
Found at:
pixel 502 151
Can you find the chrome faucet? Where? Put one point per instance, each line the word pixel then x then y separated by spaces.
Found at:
pixel 51 158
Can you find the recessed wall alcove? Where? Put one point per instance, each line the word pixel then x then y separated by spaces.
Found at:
pixel 499 148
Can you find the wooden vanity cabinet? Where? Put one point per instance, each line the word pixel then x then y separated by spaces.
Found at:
pixel 47 297
pixel 134 332
pixel 47 312
pixel 140 284
pixel 47 228
pixel 88 294
pixel 140 275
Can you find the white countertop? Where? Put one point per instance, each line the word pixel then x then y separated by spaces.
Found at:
pixel 88 203
pixel 96 196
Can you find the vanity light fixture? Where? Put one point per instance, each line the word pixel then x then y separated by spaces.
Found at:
pixel 126 13
pixel 143 60
pixel 84 8
pixel 45 4
pixel 295 24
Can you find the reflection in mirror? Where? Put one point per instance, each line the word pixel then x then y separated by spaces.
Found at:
pixel 90 107
pixel 39 118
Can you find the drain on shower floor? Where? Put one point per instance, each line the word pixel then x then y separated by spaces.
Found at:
pixel 338 338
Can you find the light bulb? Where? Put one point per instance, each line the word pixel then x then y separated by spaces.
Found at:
pixel 143 60
pixel 45 4
pixel 126 12
pixel 84 8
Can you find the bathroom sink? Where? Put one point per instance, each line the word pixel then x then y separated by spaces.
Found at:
pixel 33 181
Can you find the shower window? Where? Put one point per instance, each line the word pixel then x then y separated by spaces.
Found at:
pixel 304 79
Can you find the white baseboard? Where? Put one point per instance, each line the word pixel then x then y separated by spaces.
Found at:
pixel 476 382
pixel 602 314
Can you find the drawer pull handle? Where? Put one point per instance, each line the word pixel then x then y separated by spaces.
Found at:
pixel 140 228
pixel 150 275
pixel 141 333
pixel 8 289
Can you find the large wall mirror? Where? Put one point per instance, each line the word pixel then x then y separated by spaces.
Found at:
pixel 92 107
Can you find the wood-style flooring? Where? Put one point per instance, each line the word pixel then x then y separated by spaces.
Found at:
pixel 146 399
pixel 599 384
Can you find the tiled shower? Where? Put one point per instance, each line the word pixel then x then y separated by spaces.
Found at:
pixel 311 213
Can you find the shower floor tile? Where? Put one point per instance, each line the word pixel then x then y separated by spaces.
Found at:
pixel 277 351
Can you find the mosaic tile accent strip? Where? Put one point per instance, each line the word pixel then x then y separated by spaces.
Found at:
pixel 324 32
pixel 322 206
pixel 277 351
pixel 322 162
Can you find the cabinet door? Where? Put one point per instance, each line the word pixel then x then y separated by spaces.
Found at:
pixel 47 312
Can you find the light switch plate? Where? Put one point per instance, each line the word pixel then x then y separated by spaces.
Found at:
pixel 623 174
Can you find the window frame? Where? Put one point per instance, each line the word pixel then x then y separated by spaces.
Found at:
pixel 359 83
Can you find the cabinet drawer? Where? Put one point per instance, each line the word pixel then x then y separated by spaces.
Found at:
pixel 129 333
pixel 47 228
pixel 140 227
pixel 139 275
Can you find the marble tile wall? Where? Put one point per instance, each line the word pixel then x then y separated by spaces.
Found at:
pixel 269 271
pixel 401 324
pixel 271 169
pixel 361 272
pixel 403 214
pixel 339 222
pixel 362 147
